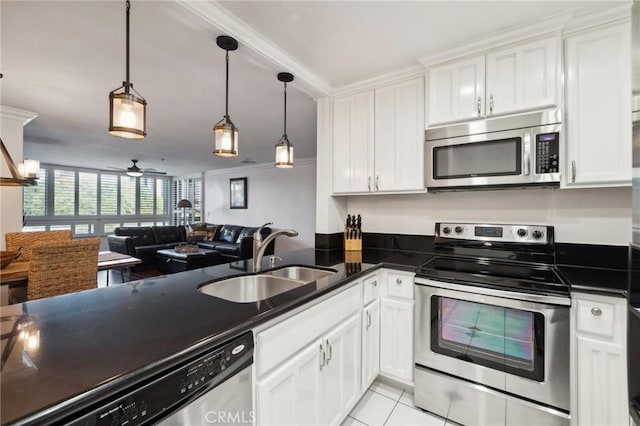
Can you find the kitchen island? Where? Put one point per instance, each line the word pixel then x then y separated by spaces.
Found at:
pixel 86 345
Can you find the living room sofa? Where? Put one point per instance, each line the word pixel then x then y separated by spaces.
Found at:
pixel 233 242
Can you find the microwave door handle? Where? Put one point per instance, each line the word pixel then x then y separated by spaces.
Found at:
pixel 527 154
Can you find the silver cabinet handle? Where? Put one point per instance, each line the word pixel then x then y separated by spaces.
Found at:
pixel 596 312
pixel 491 104
pixel 368 320
pixel 330 352
pixel 478 105
pixel 323 357
pixel 377 182
pixel 375 283
pixel 573 171
pixel 369 183
pixel 398 281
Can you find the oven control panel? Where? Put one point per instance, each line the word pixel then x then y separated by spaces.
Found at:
pixel 528 234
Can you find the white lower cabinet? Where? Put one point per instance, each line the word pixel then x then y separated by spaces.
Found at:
pixel 341 372
pixel 599 360
pixel 315 381
pixel 292 395
pixel 396 339
pixel 370 343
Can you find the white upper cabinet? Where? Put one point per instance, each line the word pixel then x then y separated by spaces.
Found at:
pixel 399 136
pixel 518 78
pixel 598 108
pixel 522 78
pixel 353 143
pixel 381 151
pixel 456 91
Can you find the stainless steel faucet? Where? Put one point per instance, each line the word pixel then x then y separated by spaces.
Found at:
pixel 260 245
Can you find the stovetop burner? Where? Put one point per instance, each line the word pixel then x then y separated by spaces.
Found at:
pixel 508 257
pixel 515 276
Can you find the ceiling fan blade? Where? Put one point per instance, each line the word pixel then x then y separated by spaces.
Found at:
pixel 152 172
pixel 116 168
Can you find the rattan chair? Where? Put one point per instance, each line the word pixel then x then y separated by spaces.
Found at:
pixel 62 267
pixel 26 240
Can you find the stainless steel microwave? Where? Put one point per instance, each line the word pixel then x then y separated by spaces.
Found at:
pixel 516 151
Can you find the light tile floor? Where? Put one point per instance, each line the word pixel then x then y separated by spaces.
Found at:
pixel 384 404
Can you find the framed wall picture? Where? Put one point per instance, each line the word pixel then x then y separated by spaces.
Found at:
pixel 238 188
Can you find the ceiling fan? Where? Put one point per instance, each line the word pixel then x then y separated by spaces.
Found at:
pixel 136 171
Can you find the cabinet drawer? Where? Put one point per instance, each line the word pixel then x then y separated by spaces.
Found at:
pixel 596 317
pixel 400 285
pixel 370 286
pixel 278 343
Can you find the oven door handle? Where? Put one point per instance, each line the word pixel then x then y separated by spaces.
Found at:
pixel 515 295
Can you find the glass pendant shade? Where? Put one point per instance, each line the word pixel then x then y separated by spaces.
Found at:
pixel 226 139
pixel 284 154
pixel 127 115
pixel 29 168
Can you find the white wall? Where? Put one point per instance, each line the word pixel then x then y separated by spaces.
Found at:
pixel 285 197
pixel 11 129
pixel 592 216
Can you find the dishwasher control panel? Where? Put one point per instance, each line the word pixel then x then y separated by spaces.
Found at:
pixel 161 394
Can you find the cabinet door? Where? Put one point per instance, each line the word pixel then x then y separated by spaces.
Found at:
pixel 522 77
pixel 598 125
pixel 602 385
pixel 456 91
pixel 291 395
pixel 370 344
pixel 399 136
pixel 341 376
pixel 353 143
pixel 396 339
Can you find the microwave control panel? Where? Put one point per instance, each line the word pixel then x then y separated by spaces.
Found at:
pixel 547 153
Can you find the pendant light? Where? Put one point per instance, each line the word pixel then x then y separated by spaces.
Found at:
pixel 127 108
pixel 284 149
pixel 226 133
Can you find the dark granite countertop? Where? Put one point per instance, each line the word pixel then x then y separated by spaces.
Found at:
pixel 99 342
pixel 612 282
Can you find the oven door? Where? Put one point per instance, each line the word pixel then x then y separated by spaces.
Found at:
pixel 498 158
pixel 516 346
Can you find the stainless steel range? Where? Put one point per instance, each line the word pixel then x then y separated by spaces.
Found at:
pixel 492 327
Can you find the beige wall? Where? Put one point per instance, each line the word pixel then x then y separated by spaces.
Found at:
pixel 285 197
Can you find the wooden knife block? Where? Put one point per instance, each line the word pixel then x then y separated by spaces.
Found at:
pixel 352 249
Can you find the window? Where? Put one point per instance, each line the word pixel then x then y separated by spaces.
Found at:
pixel 94 202
pixel 189 189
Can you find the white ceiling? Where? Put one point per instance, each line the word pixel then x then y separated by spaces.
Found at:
pixel 61 59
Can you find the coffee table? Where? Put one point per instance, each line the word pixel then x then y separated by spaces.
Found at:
pixel 170 261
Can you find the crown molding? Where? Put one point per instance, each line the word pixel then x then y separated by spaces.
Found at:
pixel 17 114
pixel 545 27
pixel 257 167
pixel 380 80
pixel 599 17
pixel 216 15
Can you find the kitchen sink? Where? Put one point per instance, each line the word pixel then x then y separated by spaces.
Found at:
pixel 250 288
pixel 301 273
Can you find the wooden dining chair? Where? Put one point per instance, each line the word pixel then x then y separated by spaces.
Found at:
pixel 61 267
pixel 26 240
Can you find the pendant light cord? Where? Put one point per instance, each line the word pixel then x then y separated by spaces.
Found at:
pixel 285 111
pixel 226 103
pixel 127 84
